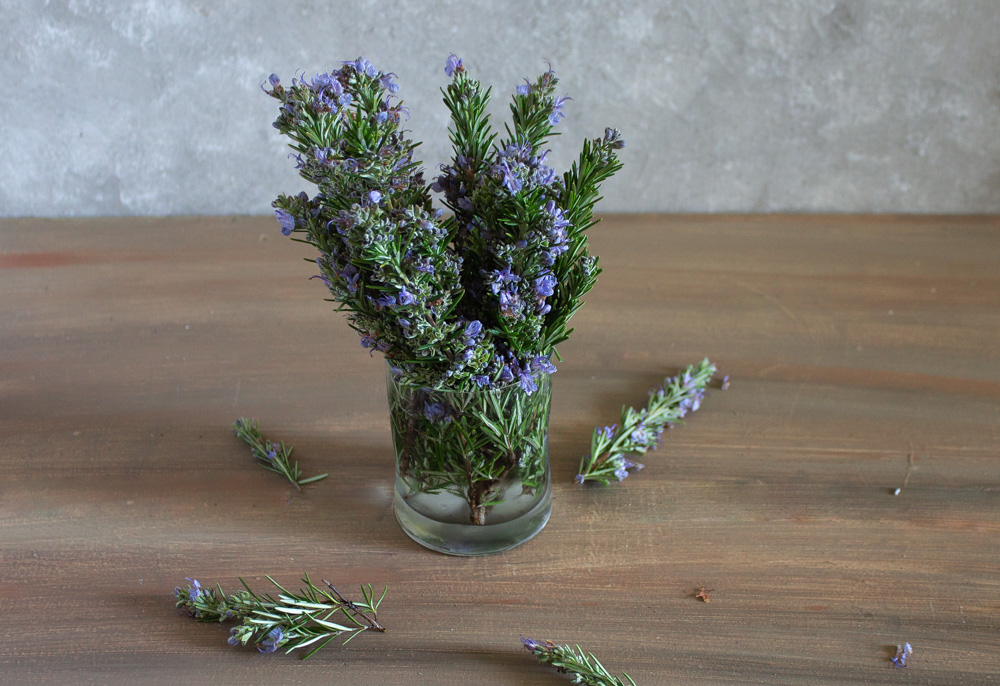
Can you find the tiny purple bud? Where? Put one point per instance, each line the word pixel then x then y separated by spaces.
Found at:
pixel 270 644
pixel 405 297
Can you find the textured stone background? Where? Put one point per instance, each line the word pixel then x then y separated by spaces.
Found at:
pixel 153 106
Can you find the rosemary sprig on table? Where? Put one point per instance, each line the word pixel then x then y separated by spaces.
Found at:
pixel 271 456
pixel 640 430
pixel 292 620
pixel 584 667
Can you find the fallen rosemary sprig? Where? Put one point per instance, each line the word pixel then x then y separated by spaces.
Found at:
pixel 272 456
pixel 640 430
pixel 584 667
pixel 292 620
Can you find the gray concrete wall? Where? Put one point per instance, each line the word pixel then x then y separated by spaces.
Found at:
pixel 154 106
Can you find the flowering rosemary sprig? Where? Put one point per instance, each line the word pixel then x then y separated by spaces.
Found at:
pixel 585 668
pixel 271 456
pixel 640 430
pixel 292 620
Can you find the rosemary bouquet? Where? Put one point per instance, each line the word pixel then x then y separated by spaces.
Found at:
pixel 468 305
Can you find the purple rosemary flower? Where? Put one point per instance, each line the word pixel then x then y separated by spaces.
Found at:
pixel 472 331
pixel 528 384
pixel 274 81
pixel 232 640
pixel 385 300
pixel 579 478
pixel 545 176
pixel 271 451
pixel 436 412
pixel 557 110
pixel 406 298
pixel 639 435
pixel 506 374
pixel 195 591
pixel 499 277
pixel 388 83
pixel 558 220
pixel 271 642
pixel 322 155
pixel 543 364
pixel 533 645
pixel 508 176
pixel 545 285
pixel 362 66
pixel 286 220
pixel 481 380
pixel 464 204
pixel 453 65
pixel 350 274
pixel 523 89
pixel 725 383
pixel 511 305
pixel 902 653
pixel 373 198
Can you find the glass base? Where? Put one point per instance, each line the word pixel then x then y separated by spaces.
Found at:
pixel 471 539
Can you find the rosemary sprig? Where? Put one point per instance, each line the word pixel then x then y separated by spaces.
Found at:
pixel 584 667
pixel 640 430
pixel 271 456
pixel 291 621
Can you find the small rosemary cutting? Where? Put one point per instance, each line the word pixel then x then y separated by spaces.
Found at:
pixel 271 456
pixel 640 430
pixel 291 621
pixel 584 667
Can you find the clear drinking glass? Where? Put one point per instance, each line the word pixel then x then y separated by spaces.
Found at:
pixel 472 467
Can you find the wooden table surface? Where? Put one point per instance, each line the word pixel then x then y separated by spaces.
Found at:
pixel 864 354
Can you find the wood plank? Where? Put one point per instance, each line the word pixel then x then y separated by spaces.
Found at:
pixel 863 352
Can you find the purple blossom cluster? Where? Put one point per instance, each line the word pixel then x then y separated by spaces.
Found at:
pixel 478 298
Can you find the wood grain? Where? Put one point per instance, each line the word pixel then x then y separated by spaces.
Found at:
pixel 864 354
